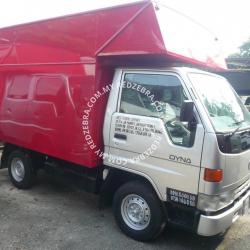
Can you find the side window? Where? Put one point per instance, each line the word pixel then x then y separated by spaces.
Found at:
pixel 19 87
pixel 158 96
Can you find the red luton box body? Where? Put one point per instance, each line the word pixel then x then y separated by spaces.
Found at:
pixel 50 70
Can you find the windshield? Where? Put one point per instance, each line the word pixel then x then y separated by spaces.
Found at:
pixel 223 105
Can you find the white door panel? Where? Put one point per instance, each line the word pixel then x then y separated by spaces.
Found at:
pixel 168 165
pixel 141 143
pixel 161 148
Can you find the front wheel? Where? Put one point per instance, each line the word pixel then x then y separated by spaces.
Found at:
pixel 138 211
pixel 20 168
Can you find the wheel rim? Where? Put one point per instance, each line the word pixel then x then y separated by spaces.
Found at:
pixel 135 212
pixel 17 169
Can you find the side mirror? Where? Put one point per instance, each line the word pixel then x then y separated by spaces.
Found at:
pixel 187 111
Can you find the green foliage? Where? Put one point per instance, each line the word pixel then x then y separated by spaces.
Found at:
pixel 244 51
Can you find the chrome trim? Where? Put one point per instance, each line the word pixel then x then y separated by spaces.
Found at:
pixel 241 190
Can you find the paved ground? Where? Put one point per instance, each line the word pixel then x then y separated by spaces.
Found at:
pixel 52 216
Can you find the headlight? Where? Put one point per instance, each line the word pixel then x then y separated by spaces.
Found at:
pixel 212 203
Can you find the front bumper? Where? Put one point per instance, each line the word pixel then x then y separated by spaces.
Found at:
pixel 215 224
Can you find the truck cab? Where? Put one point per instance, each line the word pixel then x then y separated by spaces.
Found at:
pixel 187 132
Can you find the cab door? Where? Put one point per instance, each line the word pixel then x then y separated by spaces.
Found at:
pixel 147 137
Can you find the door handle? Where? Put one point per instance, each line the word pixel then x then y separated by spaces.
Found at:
pixel 120 136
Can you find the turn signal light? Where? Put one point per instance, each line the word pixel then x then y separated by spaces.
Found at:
pixel 213 175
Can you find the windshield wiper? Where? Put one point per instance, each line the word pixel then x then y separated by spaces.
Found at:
pixel 238 128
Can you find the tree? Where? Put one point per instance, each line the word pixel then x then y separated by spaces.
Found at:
pixel 244 51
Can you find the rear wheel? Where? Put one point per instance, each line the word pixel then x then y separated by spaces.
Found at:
pixel 20 168
pixel 138 211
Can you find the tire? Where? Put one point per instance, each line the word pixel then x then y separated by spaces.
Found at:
pixel 138 211
pixel 21 172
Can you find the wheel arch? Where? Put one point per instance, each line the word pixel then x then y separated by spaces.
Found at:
pixel 116 177
pixel 9 148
